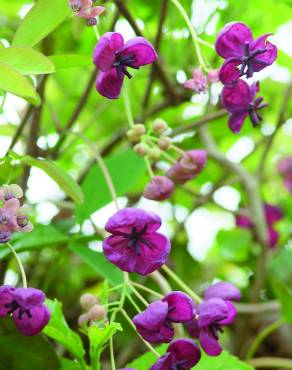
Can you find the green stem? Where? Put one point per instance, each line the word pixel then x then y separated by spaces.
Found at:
pixel 122 299
pixel 128 108
pixel 168 157
pixel 152 349
pixel 148 290
pixel 138 295
pixel 181 284
pixel 148 166
pixel 271 362
pixel 82 363
pixel 112 354
pixel 262 336
pixel 95 29
pixel 24 281
pixel 134 304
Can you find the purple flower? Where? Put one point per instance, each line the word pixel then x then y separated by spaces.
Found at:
pixel 159 188
pixel 285 169
pixel 8 221
pixel 188 166
pixel 134 245
pixel 26 305
pixel 154 324
pixel 235 43
pixel 223 290
pixel 182 354
pixel 112 57
pixel 198 83
pixel 239 100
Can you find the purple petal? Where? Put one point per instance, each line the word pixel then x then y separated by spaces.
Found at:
pixel 159 188
pixel 181 307
pixel 244 222
pixel 237 98
pixel 163 363
pixel 288 183
pixel 193 328
pixel 178 175
pixel 212 311
pixel 142 49
pixel 273 213
pixel 28 297
pixel 273 236
pixel 229 72
pixel 185 352
pixel 105 50
pixel 232 312
pixel 40 316
pixel 108 84
pixel 5 298
pixel 209 343
pixel 231 39
pixel 266 58
pixel 223 290
pixel 236 121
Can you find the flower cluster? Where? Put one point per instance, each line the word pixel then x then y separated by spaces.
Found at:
pixel 86 9
pixel 199 81
pixel 12 216
pixel 94 311
pixel 113 57
pixel 26 305
pixel 273 214
pixel 285 169
pixel 243 57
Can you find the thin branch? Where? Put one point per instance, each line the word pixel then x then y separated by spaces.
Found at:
pixel 257 308
pixel 21 127
pixel 271 362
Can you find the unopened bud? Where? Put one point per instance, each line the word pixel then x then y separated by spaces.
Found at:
pixel 97 312
pixel 154 154
pixel 139 129
pixel 164 143
pixel 159 126
pixel 159 188
pixel 133 137
pixel 141 149
pixel 88 300
pixel 82 319
pixel 91 22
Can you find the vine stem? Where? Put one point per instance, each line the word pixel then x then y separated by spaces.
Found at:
pixel 138 295
pixel 271 362
pixel 24 281
pixel 128 108
pixel 149 169
pixel 181 284
pixel 262 336
pixel 95 29
pixel 112 355
pixel 146 289
pixel 152 349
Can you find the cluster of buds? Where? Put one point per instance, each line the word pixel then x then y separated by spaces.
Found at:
pixel 94 311
pixel 12 216
pixel 86 9
pixel 199 81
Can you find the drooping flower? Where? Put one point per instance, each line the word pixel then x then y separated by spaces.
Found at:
pixel 159 188
pixel 285 169
pixel 8 221
pixel 8 192
pixel 239 100
pixel 273 214
pixel 154 324
pixel 26 305
pixel 113 57
pixel 198 83
pixel 86 9
pixel 182 354
pixel 135 245
pixel 235 43
pixel 188 166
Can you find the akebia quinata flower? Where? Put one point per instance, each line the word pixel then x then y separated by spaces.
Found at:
pixel 198 83
pixel 113 58
pixel 240 101
pixel 159 188
pixel 243 55
pixel 155 323
pixel 134 244
pixel 215 312
pixel 182 354
pixel 26 305
pixel 86 9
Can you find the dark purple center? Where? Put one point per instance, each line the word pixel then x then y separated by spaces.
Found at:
pixel 122 62
pixel 22 220
pixel 4 237
pixel 135 240
pixel 179 365
pixel 14 306
pixel 253 109
pixel 249 57
pixel 5 218
pixel 214 329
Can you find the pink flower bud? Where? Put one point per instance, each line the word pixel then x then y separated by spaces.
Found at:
pixel 213 75
pixel 193 161
pixel 198 83
pixel 88 300
pixel 159 188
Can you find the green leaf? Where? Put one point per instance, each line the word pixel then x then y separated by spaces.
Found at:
pixel 71 61
pixel 234 244
pixel 69 364
pixel 41 20
pixel 65 181
pixel 98 263
pixel 26 60
pixel 21 353
pixel 125 169
pixel 59 330
pixel 13 82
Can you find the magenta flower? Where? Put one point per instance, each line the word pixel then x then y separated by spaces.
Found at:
pixel 273 214
pixel 188 166
pixel 154 324
pixel 135 245
pixel 182 354
pixel 159 188
pixel 285 169
pixel 26 305
pixel 235 43
pixel 112 57
pixel 198 83
pixel 239 100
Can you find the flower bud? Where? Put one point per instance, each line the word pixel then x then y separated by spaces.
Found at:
pixel 139 129
pixel 213 75
pixel 133 137
pixel 4 237
pixel 178 175
pixel 198 82
pixel 82 319
pixel 159 126
pixel 97 312
pixel 141 149
pixel 159 188
pixel 193 161
pixel 164 143
pixel 88 300
pixel 91 22
pixel 154 153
